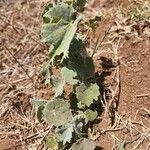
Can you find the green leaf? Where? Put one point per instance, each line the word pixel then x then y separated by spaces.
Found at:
pixel 39 113
pixel 93 23
pixel 62 11
pixel 58 83
pixel 86 94
pixel 63 48
pixel 39 106
pixel 91 115
pixel 78 122
pixel 36 103
pixel 84 144
pixel 46 9
pixel 121 146
pixel 69 76
pixel 53 33
pixel 60 30
pixel 51 142
pixel 46 72
pixel 57 112
pixel 65 133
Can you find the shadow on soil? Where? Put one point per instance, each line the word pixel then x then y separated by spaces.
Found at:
pixel 99 148
pixel 108 67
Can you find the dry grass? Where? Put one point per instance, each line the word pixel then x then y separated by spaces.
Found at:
pixel 22 55
pixel 129 132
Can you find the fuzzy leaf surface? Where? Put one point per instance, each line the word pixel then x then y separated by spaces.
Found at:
pixel 84 144
pixel 65 133
pixel 58 83
pixel 60 30
pixel 78 122
pixel 91 115
pixel 86 94
pixel 63 48
pixel 57 112
pixel 69 76
pixel 62 11
pixel 37 103
pixel 53 33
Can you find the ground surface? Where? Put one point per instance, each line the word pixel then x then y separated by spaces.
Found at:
pixel 122 61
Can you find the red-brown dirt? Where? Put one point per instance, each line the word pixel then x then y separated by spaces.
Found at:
pixel 132 101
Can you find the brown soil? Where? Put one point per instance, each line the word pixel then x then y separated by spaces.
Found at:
pixel 21 80
pixel 132 99
pixel 134 95
pixel 135 69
